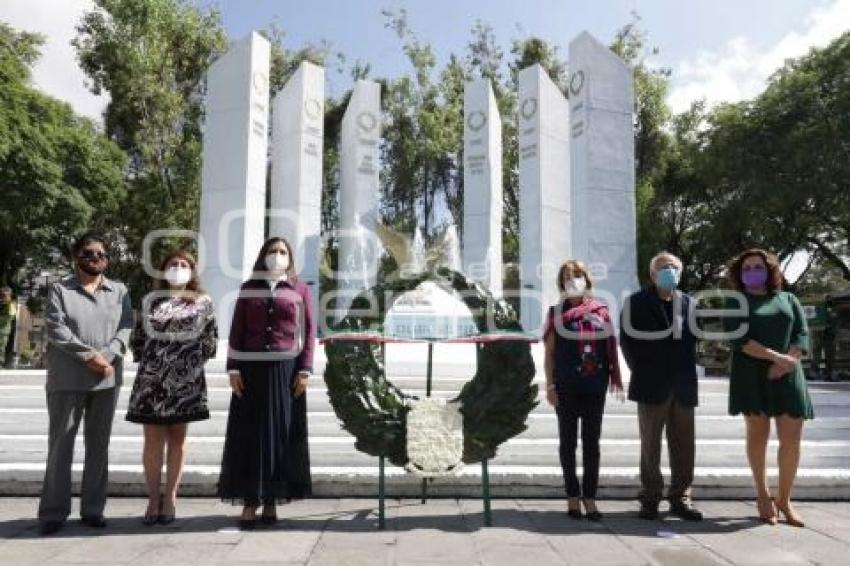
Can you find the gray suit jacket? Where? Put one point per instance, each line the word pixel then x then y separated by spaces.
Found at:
pixel 80 324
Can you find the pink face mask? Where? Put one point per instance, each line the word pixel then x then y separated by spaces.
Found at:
pixel 755 277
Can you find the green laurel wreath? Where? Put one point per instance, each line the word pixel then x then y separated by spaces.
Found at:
pixel 495 403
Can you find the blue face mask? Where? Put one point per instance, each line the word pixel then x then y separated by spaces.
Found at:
pixel 667 278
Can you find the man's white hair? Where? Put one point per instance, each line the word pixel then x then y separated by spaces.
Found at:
pixel 656 259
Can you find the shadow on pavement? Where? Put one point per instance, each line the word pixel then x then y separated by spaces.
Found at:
pixel 547 522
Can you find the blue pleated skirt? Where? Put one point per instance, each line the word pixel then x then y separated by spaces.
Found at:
pixel 266 457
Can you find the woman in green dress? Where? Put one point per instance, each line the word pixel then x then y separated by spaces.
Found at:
pixel 766 379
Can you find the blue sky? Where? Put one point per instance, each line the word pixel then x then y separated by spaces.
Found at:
pixel 691 35
pixel 680 28
pixel 718 49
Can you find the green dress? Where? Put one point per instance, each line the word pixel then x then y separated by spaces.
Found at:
pixel 776 321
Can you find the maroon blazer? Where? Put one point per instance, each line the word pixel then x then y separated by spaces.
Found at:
pixel 270 326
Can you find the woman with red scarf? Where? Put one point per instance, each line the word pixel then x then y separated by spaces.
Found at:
pixel 581 365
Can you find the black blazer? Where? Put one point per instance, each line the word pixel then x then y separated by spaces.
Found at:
pixel 660 366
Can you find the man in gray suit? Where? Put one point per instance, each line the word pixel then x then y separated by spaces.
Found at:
pixel 89 319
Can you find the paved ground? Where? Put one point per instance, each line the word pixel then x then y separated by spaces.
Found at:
pixel 446 531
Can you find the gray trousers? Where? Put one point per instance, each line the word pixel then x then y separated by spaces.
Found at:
pixel 65 410
pixel 678 422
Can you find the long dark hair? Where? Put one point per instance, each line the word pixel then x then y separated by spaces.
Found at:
pixel 775 280
pixel 260 264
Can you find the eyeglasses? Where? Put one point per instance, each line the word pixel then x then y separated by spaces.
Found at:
pixel 92 255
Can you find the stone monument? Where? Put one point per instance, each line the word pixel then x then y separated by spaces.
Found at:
pixel 233 177
pixel 544 192
pixel 603 166
pixel 359 250
pixel 298 116
pixel 482 186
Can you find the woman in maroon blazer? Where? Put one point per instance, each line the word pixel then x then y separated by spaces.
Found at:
pixel 272 338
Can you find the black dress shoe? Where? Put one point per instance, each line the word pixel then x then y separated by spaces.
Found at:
pixel 648 512
pixel 590 511
pixel 94 522
pixel 247 524
pixel 49 527
pixel 685 511
pixel 574 513
pixel 594 515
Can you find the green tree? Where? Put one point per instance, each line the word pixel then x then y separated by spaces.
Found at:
pixel 151 57
pixel 58 174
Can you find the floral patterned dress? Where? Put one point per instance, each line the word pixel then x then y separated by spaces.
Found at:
pixel 171 343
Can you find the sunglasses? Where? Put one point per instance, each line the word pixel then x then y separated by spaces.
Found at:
pixel 92 255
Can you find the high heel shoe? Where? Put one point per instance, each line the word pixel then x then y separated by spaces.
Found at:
pixel 768 517
pixel 574 510
pixel 248 521
pixel 269 518
pixel 152 518
pixel 165 519
pixel 590 511
pixel 791 516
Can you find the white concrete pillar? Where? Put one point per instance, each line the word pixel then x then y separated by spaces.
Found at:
pixel 233 177
pixel 359 250
pixel 544 192
pixel 296 183
pixel 482 186
pixel 603 165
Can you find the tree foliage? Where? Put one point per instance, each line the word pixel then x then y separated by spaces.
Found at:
pixel 771 171
pixel 151 57
pixel 58 174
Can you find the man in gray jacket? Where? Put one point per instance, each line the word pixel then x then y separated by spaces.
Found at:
pixel 89 319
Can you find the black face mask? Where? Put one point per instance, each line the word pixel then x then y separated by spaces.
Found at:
pixel 93 269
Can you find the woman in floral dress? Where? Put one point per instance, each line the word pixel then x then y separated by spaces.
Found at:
pixel 174 336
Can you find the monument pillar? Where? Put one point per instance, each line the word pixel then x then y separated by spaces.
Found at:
pixel 296 173
pixel 603 165
pixel 233 175
pixel 482 186
pixel 359 250
pixel 544 192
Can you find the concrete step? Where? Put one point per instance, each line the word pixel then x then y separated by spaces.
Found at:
pixel 540 424
pixel 526 466
pixel 505 481
pixel 440 381
pixel 713 405
pixel 330 451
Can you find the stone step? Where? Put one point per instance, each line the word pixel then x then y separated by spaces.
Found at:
pixel 439 382
pixel 711 405
pixel 527 465
pixel 27 420
pixel 330 451
pixel 29 391
pixel 505 481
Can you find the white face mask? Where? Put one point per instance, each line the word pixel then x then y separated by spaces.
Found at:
pixel 575 287
pixel 277 263
pixel 178 276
